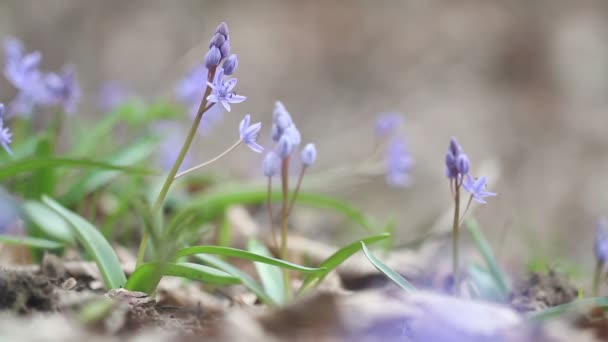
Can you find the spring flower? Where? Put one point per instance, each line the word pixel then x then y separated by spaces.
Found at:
pixel 387 124
pixel 230 65
pixel 271 164
pixel 462 164
pixel 5 133
pixel 213 57
pixel 454 166
pixel 308 156
pixel 111 95
pixel 249 134
pixel 398 163
pixel 282 124
pixel 222 90
pixel 64 89
pixel 601 240
pixel 476 187
pixel 284 147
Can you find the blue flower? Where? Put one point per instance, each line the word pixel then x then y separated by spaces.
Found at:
pixel 271 164
pixel 230 65
pixel 601 240
pixel 387 124
pixel 476 187
pixel 308 156
pixel 456 162
pixel 284 147
pixel 398 163
pixel 64 89
pixel 5 133
pixel 249 134
pixel 190 91
pixel 222 90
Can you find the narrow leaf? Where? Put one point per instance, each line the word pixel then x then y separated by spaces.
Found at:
pixel 247 281
pixel 49 221
pixel 30 242
pixel 486 286
pixel 95 244
pixel 271 276
pixel 488 256
pixel 557 311
pixel 239 253
pixel 390 273
pixel 338 258
pixel 143 277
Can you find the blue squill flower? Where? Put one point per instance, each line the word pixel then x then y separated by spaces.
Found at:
pixel 5 133
pixel 249 134
pixel 308 156
pixel 64 89
pixel 399 163
pixel 476 187
pixel 271 164
pixel 284 147
pixel 213 57
pixel 387 124
pixel 223 90
pixel 601 240
pixel 230 65
pixel 454 166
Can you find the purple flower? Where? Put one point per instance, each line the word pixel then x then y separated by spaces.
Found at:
pixel 190 91
pixel 476 187
pixel 462 164
pixel 284 147
pixel 454 166
pixel 222 29
pixel 111 95
pixel 213 57
pixel 282 124
pixel 64 89
pixel 222 90
pixel 399 163
pixel 387 124
pixel 601 240
pixel 5 133
pixel 230 65
pixel 308 156
pixel 271 164
pixel 249 134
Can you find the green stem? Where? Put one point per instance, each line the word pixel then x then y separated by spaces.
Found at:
pixel 210 161
pixel 284 219
pixel 596 277
pixel 180 158
pixel 270 220
pixel 455 236
pixel 295 193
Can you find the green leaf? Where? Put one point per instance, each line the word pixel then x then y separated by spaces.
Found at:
pixel 239 253
pixel 271 276
pixel 48 221
pixel 247 281
pixel 214 203
pixel 488 256
pixel 88 143
pixel 391 274
pixel 559 310
pixel 94 243
pixel 15 167
pixel 338 258
pixel 129 155
pixel 42 180
pixel 143 277
pixel 30 242
pixel 485 284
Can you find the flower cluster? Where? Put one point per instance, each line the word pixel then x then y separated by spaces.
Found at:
pixel 5 134
pixel 35 87
pixel 399 161
pixel 457 166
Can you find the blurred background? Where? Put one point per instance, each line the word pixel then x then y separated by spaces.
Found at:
pixel 520 83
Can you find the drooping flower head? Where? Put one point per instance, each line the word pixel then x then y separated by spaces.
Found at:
pixel 249 134
pixel 456 162
pixel 477 188
pixel 5 133
pixel 399 163
pixel 601 240
pixel 387 124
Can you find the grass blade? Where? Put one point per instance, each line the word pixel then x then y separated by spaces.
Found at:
pixel 30 242
pixel 558 310
pixel 241 254
pixel 95 244
pixel 271 276
pixel 338 258
pixel 141 279
pixel 488 256
pixel 49 222
pixel 391 274
pixel 247 280
pixel 486 286
pixel 15 167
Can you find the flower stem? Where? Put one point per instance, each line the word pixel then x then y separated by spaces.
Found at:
pixel 455 236
pixel 284 219
pixel 270 220
pixel 210 161
pixel 297 190
pixel 178 162
pixel 596 277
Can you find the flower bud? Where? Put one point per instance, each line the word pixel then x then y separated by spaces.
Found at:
pixel 222 28
pixel 230 65
pixel 225 49
pixel 463 164
pixel 270 164
pixel 217 40
pixel 213 57
pixel 308 155
pixel 284 146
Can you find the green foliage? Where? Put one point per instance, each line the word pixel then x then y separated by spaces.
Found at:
pixel 30 242
pixel 49 222
pixel 271 276
pixel 390 273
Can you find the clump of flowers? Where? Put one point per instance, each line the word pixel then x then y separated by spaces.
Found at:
pixel 287 138
pixel 457 166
